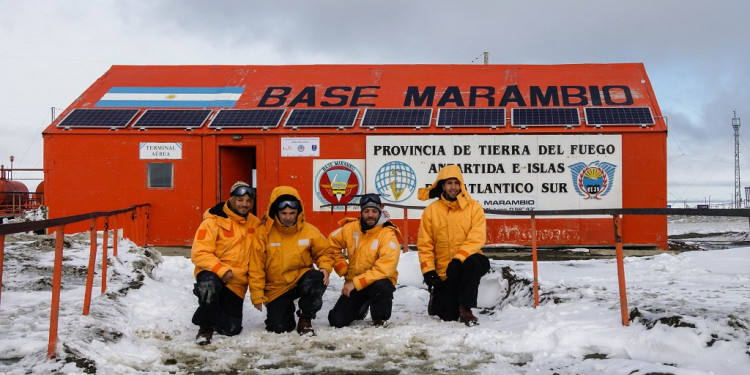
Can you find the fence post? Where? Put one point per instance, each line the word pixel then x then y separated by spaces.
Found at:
pixel 621 270
pixel 105 240
pixel 2 255
pixel 56 281
pixel 114 235
pixel 534 259
pixel 92 264
pixel 406 230
pixel 134 225
pixel 146 214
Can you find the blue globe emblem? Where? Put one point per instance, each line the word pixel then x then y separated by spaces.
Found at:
pixel 396 181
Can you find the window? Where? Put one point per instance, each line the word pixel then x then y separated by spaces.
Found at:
pixel 160 175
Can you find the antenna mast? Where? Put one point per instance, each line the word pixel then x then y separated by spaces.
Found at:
pixel 736 127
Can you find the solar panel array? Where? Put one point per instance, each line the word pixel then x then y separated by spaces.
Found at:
pixel 98 118
pixel 172 118
pixel 247 118
pixel 372 117
pixel 471 117
pixel 401 117
pixel 523 117
pixel 299 118
pixel 618 116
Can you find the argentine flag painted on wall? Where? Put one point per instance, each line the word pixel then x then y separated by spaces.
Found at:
pixel 200 97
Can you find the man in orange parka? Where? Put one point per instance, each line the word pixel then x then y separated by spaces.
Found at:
pixel 221 253
pixel 451 235
pixel 372 247
pixel 281 266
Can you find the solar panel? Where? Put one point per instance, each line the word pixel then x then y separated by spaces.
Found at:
pixel 398 117
pixel 98 118
pixel 299 118
pixel 247 118
pixel 597 116
pixel 172 118
pixel 473 117
pixel 522 117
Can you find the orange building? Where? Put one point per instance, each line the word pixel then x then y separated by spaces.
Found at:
pixel 544 137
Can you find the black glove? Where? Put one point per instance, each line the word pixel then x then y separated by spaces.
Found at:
pixel 431 278
pixel 454 269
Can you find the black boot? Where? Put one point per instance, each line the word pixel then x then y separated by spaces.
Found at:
pixel 466 317
pixel 304 327
pixel 204 336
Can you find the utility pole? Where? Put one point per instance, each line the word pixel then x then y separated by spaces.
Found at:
pixel 486 57
pixel 736 127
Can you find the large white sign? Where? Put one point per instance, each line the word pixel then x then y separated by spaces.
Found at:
pixel 504 172
pixel 293 147
pixel 152 150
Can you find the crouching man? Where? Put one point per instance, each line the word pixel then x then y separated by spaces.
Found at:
pixel 371 245
pixel 221 253
pixel 281 266
pixel 451 235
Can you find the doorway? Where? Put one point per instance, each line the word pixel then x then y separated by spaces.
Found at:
pixel 236 164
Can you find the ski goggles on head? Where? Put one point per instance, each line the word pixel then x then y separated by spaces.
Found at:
pixel 291 204
pixel 370 200
pixel 243 190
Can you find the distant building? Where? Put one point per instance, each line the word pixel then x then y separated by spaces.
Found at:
pixel 527 137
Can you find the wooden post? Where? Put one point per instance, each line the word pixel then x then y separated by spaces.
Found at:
pixel 92 265
pixel 534 259
pixel 56 282
pixel 621 270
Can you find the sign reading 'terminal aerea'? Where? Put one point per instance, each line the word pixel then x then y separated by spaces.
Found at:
pixel 152 150
pixel 504 172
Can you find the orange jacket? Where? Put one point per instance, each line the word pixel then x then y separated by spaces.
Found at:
pixel 222 243
pixel 281 255
pixel 372 255
pixel 449 230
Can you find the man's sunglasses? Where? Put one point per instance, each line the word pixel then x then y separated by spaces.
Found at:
pixel 243 190
pixel 291 204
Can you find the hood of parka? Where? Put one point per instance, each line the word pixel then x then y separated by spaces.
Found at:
pixel 436 189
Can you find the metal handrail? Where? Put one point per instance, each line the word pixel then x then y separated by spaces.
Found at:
pixel 616 213
pixel 138 229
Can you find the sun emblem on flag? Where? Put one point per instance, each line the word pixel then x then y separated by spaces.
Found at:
pixel 594 180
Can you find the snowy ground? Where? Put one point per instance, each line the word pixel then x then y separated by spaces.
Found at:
pixel 690 314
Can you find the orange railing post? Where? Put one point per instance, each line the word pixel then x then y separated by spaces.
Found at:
pixel 135 226
pixel 2 255
pixel 534 259
pixel 90 274
pixel 146 214
pixel 56 282
pixel 406 230
pixel 105 240
pixel 621 270
pixel 114 235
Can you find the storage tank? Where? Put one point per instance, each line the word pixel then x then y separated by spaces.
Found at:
pixel 39 196
pixel 7 199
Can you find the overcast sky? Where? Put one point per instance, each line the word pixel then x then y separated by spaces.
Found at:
pixel 696 54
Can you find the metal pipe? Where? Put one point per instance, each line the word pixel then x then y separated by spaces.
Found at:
pixel 90 273
pixel 621 270
pixel 105 240
pixel 534 258
pixel 56 282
